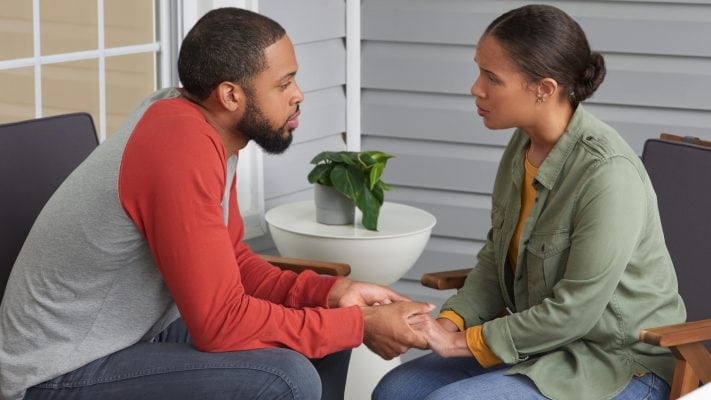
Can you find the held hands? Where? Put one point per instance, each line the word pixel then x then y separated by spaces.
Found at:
pixel 442 335
pixel 385 314
pixel 387 331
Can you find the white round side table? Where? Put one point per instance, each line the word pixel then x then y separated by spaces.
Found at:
pixel 381 257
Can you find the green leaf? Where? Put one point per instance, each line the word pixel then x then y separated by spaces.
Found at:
pixel 348 157
pixel 378 156
pixel 370 207
pixel 323 156
pixel 375 173
pixel 321 174
pixel 367 159
pixel 379 194
pixel 348 180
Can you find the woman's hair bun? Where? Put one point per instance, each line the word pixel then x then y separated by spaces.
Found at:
pixel 591 78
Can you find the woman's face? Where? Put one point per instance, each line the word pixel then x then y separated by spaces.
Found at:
pixel 504 99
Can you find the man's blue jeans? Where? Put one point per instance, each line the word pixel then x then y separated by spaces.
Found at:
pixel 170 368
pixel 432 377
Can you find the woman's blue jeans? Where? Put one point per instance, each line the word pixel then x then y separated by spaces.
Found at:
pixel 170 368
pixel 432 377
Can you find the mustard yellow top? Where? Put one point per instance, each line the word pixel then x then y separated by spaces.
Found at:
pixel 475 339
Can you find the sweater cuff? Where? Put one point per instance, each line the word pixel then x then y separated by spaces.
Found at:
pixel 479 349
pixel 454 317
pixel 313 290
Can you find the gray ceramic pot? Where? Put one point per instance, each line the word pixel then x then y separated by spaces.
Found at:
pixel 333 208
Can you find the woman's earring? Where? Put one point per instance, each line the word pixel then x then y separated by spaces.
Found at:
pixel 540 99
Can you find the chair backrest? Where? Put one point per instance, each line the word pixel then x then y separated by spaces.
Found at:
pixel 681 175
pixel 35 157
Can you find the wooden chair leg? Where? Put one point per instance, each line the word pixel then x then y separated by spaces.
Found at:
pixel 698 358
pixel 684 380
pixel 690 371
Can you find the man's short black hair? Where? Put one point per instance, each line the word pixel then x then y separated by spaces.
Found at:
pixel 226 44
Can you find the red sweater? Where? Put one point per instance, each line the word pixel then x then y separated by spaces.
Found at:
pixel 171 183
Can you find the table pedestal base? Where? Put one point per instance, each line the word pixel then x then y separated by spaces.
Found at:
pixel 365 371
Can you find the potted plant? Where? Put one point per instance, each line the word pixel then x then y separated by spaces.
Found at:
pixel 356 176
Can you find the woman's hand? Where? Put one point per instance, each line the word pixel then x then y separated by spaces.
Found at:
pixel 442 335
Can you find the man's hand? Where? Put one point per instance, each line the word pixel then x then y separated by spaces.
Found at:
pixel 387 331
pixel 442 335
pixel 346 293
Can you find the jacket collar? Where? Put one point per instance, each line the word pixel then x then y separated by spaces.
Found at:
pixel 552 166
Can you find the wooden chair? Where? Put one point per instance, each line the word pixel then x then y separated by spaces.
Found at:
pixel 36 156
pixel 680 171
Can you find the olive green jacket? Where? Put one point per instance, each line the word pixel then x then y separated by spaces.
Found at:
pixel 593 268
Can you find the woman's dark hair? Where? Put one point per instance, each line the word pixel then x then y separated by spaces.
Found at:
pixel 226 44
pixel 545 42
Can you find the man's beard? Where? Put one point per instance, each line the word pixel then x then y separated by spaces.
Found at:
pixel 256 127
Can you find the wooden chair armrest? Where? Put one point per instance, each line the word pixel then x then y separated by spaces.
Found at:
pixel 688 139
pixel 679 334
pixel 299 264
pixel 445 279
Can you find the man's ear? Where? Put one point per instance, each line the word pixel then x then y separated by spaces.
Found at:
pixel 547 88
pixel 230 95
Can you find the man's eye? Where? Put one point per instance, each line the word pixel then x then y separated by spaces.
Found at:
pixel 285 85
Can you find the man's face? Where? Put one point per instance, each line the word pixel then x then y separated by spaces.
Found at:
pixel 272 104
pixel 257 127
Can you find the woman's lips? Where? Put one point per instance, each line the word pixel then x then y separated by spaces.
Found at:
pixel 482 112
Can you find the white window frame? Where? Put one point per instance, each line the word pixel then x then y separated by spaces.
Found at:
pixel 175 18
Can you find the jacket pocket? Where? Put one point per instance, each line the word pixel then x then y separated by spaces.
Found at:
pixel 546 258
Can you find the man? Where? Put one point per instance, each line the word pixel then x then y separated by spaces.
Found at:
pixel 143 244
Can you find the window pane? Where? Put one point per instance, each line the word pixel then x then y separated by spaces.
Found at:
pixel 71 87
pixel 17 97
pixel 16 30
pixel 68 26
pixel 129 79
pixel 128 22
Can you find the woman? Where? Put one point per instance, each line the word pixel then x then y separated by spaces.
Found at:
pixel 575 262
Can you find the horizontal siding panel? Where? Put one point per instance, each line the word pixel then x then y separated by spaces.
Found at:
pixel 446 22
pixel 656 82
pixel 637 124
pixel 321 65
pixel 459 215
pixel 323 113
pixel 305 194
pixel 418 67
pixel 308 20
pixel 653 35
pixel 438 165
pixel 652 81
pixel 288 172
pixel 670 29
pixel 452 118
pixel 426 116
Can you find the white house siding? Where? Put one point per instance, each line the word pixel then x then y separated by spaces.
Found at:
pixel 318 29
pixel 417 71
